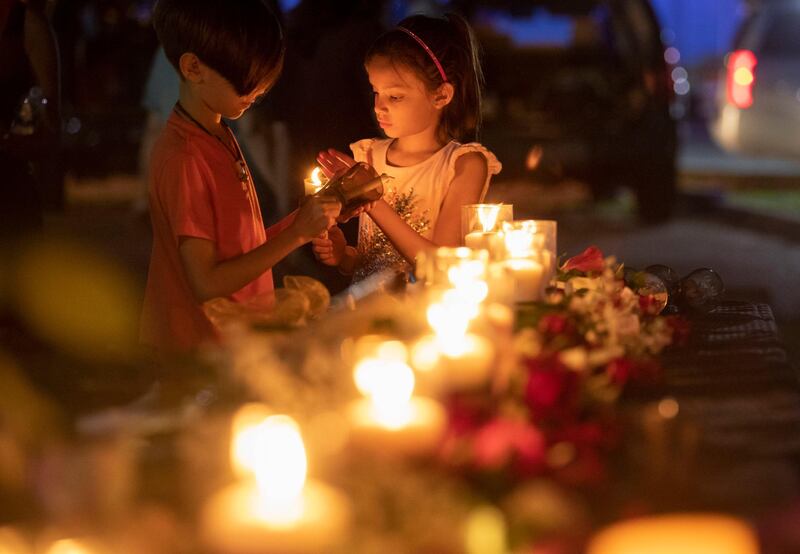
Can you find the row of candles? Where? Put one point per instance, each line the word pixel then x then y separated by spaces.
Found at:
pixel 279 511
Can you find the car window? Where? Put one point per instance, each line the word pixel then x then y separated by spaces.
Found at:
pixel 782 37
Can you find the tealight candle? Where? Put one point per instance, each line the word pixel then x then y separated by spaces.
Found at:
pixel 275 509
pixel 313 183
pixel 673 533
pixel 390 420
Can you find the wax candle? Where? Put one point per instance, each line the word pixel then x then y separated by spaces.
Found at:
pixel 314 182
pixel 480 240
pixel 390 420
pixel 673 533
pixel 458 363
pixel 273 508
pixel 481 226
pixel 528 279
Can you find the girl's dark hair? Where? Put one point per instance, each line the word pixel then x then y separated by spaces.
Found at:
pixel 242 40
pixel 452 41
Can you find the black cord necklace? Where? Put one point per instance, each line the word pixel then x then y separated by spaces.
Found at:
pixel 236 152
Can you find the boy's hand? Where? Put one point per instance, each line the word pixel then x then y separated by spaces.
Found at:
pixel 315 216
pixel 334 162
pixel 345 217
pixel 329 247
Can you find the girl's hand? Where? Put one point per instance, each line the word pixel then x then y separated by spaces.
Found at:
pixel 315 216
pixel 334 162
pixel 329 247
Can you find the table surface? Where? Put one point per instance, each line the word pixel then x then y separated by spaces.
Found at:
pixel 739 400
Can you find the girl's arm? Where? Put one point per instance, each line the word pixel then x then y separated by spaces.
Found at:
pixel 211 278
pixel 471 172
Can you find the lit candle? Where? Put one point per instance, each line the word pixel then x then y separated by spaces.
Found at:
pixel 390 420
pixel 458 359
pixel 273 509
pixel 313 183
pixel 527 277
pixel 456 363
pixel 673 533
pixel 524 260
pixel 480 226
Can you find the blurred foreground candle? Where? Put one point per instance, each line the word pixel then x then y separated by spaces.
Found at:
pixel 273 509
pixel 314 182
pixel 462 360
pixel 677 533
pixel 481 226
pixel 390 420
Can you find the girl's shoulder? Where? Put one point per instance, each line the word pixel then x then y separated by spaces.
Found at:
pixel 363 149
pixel 456 150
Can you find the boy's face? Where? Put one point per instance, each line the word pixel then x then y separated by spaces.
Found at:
pixel 220 96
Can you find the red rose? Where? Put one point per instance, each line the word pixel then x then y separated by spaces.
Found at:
pixel 590 259
pixel 552 388
pixel 502 440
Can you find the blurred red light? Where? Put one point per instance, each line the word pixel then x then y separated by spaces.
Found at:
pixel 741 78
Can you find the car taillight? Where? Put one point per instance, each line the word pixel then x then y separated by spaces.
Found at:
pixel 741 78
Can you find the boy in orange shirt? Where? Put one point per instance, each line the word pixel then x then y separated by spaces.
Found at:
pixel 208 236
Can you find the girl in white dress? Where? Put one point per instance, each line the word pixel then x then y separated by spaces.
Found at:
pixel 426 82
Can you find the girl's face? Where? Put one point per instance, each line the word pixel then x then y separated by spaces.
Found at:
pixel 403 104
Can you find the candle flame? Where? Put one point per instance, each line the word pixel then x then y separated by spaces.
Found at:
pixel 389 384
pixel 271 450
pixel 519 238
pixel 487 215
pixel 315 177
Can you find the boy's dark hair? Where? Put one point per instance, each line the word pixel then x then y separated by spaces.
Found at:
pixel 242 40
pixel 452 42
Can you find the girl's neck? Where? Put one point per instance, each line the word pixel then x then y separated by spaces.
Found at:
pixel 199 110
pixel 420 145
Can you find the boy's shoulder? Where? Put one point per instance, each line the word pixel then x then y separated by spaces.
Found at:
pixel 175 145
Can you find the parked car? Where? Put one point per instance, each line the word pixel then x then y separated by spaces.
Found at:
pixel 759 90
pixel 580 89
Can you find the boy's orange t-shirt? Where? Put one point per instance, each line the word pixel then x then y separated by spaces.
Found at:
pixel 195 191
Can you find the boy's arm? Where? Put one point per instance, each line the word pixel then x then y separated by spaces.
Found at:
pixel 282 225
pixel 470 176
pixel 211 278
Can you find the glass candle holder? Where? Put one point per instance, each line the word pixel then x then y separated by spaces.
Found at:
pixel 528 263
pixel 532 238
pixel 481 225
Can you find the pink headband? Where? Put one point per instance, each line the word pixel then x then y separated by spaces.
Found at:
pixel 428 50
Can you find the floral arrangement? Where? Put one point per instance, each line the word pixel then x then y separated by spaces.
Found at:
pixel 551 418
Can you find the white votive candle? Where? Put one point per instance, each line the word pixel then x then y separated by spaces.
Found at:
pixel 527 276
